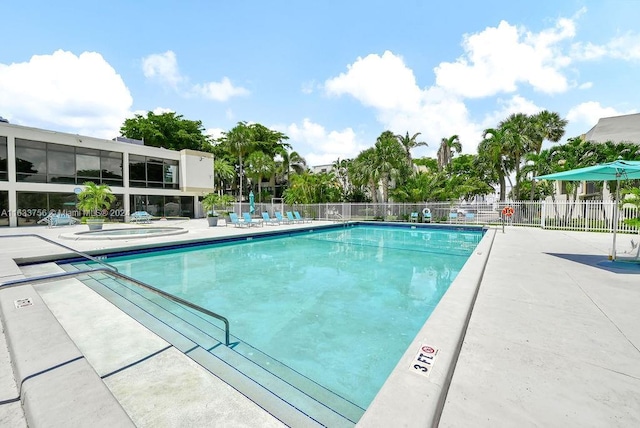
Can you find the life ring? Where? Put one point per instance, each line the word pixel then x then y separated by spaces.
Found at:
pixel 426 212
pixel 507 211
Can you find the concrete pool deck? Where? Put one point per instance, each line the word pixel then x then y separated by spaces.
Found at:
pixel 553 340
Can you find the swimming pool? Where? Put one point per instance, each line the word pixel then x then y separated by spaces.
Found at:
pixel 339 306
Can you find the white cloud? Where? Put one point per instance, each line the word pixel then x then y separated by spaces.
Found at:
pixel 383 82
pixel 387 84
pixel 220 91
pixel 515 104
pixel 586 85
pixel 308 87
pixel 163 67
pixel 319 146
pixel 214 132
pixel 624 47
pixel 590 112
pixel 499 58
pixel 80 94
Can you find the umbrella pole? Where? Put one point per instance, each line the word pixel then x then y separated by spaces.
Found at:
pixel 615 220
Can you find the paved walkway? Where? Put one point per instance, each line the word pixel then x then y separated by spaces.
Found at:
pixel 553 339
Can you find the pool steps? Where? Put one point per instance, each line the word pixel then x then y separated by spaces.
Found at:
pixel 298 401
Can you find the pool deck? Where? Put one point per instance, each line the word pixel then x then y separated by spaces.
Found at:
pixel 552 340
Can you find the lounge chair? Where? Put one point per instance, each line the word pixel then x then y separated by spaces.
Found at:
pixel 291 218
pixel 299 218
pixel 140 217
pixel 469 217
pixel 281 219
pixel 236 221
pixel 413 217
pixel 53 220
pixel 426 215
pixel 251 221
pixel 453 217
pixel 269 220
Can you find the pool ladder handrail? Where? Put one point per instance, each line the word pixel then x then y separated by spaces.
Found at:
pixel 107 271
pixel 80 253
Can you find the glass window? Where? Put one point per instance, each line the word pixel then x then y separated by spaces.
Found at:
pixel 171 174
pixel 3 159
pixel 137 170
pixel 87 166
pixel 111 167
pixel 155 173
pixel 4 208
pixel 31 207
pixel 31 161
pixel 31 144
pixel 61 163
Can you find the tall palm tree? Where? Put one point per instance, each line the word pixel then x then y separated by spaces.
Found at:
pixel 517 130
pixel 259 166
pixel 341 170
pixel 409 143
pixel 239 141
pixel 492 156
pixel 546 126
pixel 363 173
pixel 223 171
pixel 388 161
pixel 448 146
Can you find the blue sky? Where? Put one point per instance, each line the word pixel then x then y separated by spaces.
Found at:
pixel 332 75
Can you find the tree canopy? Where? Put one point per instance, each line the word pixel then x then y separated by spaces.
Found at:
pixel 167 130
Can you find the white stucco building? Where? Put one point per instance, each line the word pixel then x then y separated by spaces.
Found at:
pixel 42 170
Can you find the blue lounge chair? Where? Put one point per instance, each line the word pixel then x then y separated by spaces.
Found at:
pixel 291 218
pixel 298 217
pixel 269 220
pixel 281 219
pixel 413 217
pixel 453 217
pixel 251 221
pixel 236 221
pixel 140 217
pixel 469 217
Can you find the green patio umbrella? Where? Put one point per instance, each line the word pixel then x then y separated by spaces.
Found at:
pixel 610 171
pixel 252 202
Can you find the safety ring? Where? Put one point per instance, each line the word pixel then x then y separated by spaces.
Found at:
pixel 507 211
pixel 426 212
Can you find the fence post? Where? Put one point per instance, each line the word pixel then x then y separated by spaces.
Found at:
pixel 543 213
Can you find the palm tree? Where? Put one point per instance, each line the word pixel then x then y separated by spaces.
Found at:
pixel 388 160
pixel 239 140
pixel 491 155
pixel 94 198
pixel 363 173
pixel 223 171
pixel 516 131
pixel 259 166
pixel 341 169
pixel 409 143
pixel 546 126
pixel 448 146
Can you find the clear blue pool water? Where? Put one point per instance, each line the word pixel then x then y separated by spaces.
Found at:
pixel 339 306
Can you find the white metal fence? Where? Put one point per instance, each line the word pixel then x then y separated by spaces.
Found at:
pixel 596 216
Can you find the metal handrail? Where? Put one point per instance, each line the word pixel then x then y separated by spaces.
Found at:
pixel 80 253
pixel 107 271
